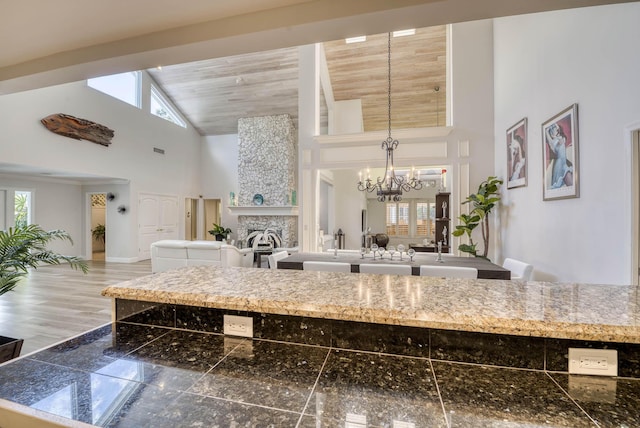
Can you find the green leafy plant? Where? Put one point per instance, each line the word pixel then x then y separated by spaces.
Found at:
pixel 482 203
pixel 99 233
pixel 24 247
pixel 21 209
pixel 220 232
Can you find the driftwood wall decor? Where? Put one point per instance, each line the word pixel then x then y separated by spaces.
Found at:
pixel 79 129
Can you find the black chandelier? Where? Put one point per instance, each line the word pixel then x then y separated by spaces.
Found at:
pixel 391 186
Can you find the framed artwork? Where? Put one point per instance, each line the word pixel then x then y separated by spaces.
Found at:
pixel 517 155
pixel 560 155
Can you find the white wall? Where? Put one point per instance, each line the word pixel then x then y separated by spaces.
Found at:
pixel 472 116
pixel 25 141
pixel 219 166
pixel 56 205
pixel 544 63
pixel 349 203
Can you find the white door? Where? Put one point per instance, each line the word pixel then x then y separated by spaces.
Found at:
pixel 157 219
pixel 168 220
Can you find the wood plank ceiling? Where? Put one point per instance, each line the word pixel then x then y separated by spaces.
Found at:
pixel 214 94
pixel 418 65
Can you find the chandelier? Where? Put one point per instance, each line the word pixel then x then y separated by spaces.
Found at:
pixel 391 186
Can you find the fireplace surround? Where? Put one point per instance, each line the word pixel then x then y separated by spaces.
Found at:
pixel 267 165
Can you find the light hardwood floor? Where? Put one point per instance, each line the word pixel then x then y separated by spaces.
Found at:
pixel 54 303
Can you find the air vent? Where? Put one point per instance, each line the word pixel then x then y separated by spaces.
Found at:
pixel 157 150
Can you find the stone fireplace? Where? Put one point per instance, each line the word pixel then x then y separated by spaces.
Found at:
pixel 267 165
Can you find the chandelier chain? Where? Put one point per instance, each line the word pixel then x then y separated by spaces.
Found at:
pixel 389 80
pixel 391 186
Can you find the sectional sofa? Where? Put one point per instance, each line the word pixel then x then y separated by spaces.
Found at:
pixel 171 254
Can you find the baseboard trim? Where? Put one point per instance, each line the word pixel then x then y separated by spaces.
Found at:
pixel 122 260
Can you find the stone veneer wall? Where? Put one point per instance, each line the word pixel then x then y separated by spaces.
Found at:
pixel 267 159
pixel 267 165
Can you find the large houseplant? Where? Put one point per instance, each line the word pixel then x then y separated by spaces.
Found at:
pixel 482 203
pixel 21 248
pixel 25 247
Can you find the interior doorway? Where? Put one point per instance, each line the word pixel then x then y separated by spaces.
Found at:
pixel 211 216
pixel 191 219
pixel 98 226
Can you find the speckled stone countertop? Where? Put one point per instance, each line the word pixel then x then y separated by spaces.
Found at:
pixel 564 311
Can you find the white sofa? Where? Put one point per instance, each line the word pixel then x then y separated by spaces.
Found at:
pixel 171 253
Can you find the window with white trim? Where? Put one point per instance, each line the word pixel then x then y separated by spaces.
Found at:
pixel 162 108
pixel 413 218
pixel 123 86
pixel 398 219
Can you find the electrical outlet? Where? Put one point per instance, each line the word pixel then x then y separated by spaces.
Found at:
pixel 238 326
pixel 599 362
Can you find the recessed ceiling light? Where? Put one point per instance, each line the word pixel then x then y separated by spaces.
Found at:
pixel 356 39
pixel 401 33
pixel 159 68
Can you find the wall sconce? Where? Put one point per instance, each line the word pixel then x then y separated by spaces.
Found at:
pixel 111 196
pixel 122 209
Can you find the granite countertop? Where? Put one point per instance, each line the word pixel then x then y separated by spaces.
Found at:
pixel 565 311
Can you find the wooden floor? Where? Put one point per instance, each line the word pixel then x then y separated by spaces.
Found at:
pixel 55 303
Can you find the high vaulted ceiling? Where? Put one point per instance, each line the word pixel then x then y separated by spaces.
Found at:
pixel 213 94
pixel 418 77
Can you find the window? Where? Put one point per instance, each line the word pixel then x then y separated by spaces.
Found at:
pixel 160 107
pixel 425 218
pixel 123 86
pixel 415 218
pixel 398 219
pixel 22 208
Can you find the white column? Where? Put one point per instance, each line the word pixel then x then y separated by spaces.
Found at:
pixel 308 127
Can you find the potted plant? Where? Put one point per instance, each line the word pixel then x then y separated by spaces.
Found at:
pixel 219 232
pixel 482 202
pixel 21 248
pixel 98 233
